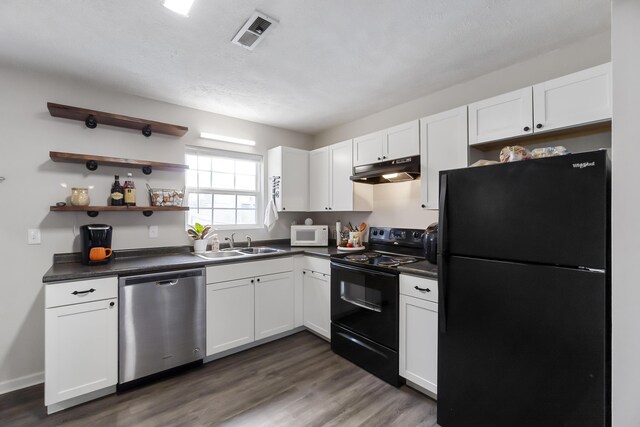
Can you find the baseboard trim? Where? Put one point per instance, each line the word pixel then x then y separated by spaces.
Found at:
pixel 244 347
pixel 22 382
pixel 422 390
pixel 74 401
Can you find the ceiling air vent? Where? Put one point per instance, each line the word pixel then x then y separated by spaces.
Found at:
pixel 253 30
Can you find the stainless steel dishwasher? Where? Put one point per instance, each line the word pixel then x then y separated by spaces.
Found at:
pixel 161 322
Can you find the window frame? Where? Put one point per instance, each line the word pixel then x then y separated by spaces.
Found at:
pixel 258 193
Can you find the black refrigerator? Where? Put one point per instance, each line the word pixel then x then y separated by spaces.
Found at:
pixel 525 293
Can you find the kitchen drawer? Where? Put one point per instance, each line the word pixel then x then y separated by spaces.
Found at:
pixel 409 286
pixel 241 270
pixel 317 264
pixel 57 294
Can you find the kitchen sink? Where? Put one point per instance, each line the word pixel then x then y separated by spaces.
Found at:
pixel 222 254
pixel 258 250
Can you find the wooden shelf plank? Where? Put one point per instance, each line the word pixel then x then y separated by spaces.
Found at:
pixel 117 208
pixel 103 118
pixel 553 136
pixel 57 156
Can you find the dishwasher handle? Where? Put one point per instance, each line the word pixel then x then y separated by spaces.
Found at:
pixel 167 282
pixel 169 278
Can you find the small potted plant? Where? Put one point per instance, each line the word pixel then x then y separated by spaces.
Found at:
pixel 199 233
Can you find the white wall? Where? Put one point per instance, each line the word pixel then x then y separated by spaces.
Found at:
pixel 398 204
pixel 574 57
pixel 625 206
pixel 33 184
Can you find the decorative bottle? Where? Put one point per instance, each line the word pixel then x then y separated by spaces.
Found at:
pixel 129 191
pixel 117 193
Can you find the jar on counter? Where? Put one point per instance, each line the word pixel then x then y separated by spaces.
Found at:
pixel 80 196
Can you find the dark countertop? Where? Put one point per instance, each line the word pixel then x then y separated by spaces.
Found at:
pixel 140 261
pixel 420 268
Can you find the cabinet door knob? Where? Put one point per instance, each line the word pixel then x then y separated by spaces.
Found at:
pixel 527 128
pixel 251 280
pixel 378 158
pixel 283 208
pixel 111 304
pixel 423 205
pixel 384 157
pixel 258 280
pixel 539 125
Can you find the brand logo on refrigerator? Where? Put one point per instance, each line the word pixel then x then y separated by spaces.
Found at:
pixel 583 165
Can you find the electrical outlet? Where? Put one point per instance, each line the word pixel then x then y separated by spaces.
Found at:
pixel 33 236
pixel 153 231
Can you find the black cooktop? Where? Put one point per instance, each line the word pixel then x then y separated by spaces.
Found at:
pixel 387 249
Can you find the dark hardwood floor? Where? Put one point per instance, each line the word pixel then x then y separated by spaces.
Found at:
pixel 295 381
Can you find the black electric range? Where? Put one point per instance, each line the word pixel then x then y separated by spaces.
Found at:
pixel 387 249
pixel 365 300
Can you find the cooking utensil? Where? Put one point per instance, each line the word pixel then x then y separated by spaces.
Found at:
pixel 362 227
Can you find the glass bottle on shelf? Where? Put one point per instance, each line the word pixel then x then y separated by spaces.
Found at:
pixel 129 191
pixel 117 193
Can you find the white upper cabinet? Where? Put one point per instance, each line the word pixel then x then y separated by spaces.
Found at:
pixel 443 143
pixel 320 181
pixel 573 100
pixel 501 117
pixel 402 141
pixel 292 166
pixel 393 143
pixel 330 186
pixel 578 98
pixel 368 148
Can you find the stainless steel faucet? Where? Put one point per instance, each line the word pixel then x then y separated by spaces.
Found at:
pixel 248 241
pixel 230 239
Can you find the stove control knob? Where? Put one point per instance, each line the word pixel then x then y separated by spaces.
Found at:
pixel 416 234
pixel 375 232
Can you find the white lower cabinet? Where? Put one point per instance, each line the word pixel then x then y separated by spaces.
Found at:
pixel 230 315
pixel 317 304
pixel 248 301
pixel 273 304
pixel 419 332
pixel 81 338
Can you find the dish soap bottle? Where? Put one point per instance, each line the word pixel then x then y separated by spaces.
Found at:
pixel 215 243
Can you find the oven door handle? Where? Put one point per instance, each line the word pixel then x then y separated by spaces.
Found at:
pixel 362 304
pixel 366 271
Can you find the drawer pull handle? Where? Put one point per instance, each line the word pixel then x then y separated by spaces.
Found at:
pixel 83 292
pixel 422 289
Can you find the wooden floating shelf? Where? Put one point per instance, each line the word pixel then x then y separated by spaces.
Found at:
pixel 552 136
pixel 93 211
pixel 92 162
pixel 92 118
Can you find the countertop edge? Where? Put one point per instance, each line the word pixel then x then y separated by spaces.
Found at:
pixel 183 261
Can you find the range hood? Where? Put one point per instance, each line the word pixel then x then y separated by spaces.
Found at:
pixel 398 170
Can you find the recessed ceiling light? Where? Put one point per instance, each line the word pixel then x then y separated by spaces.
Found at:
pixel 231 139
pixel 178 6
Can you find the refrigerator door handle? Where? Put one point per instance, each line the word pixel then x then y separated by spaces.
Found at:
pixel 442 255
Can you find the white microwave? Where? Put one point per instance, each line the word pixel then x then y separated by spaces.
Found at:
pixel 309 235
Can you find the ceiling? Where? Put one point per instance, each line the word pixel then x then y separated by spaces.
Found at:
pixel 328 62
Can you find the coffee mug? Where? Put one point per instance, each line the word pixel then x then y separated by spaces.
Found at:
pixel 99 253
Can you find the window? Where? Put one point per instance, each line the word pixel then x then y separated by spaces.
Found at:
pixel 223 188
